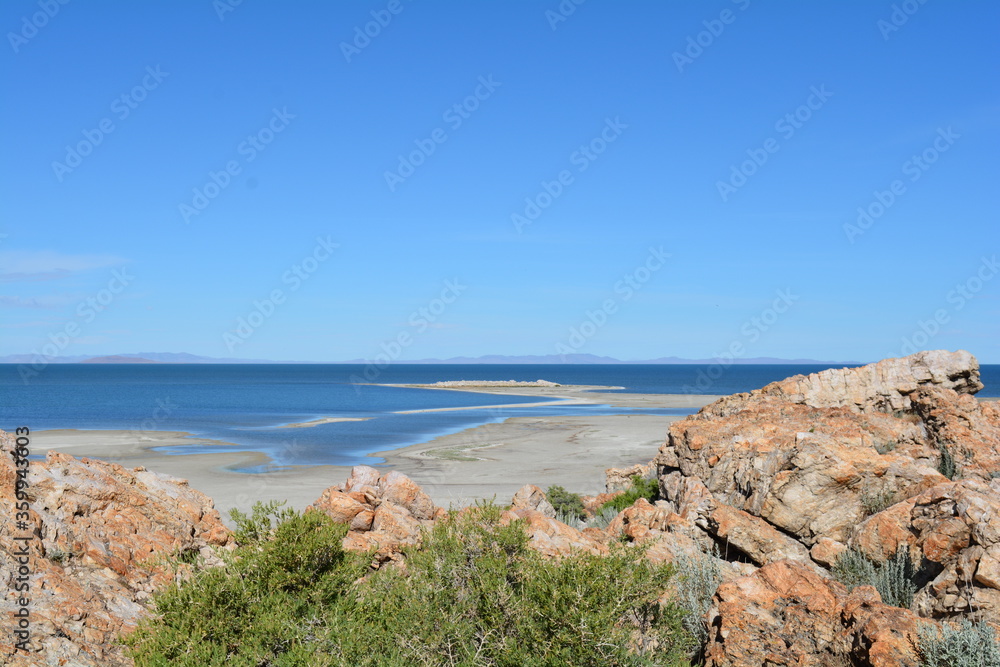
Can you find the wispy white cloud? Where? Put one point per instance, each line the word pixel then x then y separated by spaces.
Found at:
pixel 32 266
pixel 28 325
pixel 33 302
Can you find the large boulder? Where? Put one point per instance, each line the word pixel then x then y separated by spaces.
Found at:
pixel 395 487
pixel 551 537
pixel 530 496
pixel 100 538
pixel 385 514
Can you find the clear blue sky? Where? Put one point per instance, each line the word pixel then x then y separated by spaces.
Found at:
pixel 663 132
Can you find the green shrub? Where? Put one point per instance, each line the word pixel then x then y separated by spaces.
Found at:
pixel 640 488
pixel 251 611
pixel 893 579
pixel 474 594
pixel 967 646
pixel 566 503
pixel 260 525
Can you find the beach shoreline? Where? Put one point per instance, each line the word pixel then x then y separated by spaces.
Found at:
pixel 481 462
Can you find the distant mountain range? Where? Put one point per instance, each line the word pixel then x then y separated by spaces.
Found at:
pixel 185 358
pixel 140 357
pixel 119 359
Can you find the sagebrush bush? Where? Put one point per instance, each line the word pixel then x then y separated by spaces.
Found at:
pixel 640 488
pixel 566 503
pixel 874 501
pixel 473 594
pixel 966 646
pixel 947 466
pixel 893 579
pixel 603 518
pixel 696 580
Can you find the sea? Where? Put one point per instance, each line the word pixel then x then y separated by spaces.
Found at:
pixel 248 404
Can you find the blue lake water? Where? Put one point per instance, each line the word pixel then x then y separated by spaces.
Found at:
pixel 246 404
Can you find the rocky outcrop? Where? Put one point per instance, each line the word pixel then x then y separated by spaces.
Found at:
pixel 816 472
pixel 885 386
pixel 792 475
pixel 100 535
pixel 810 472
pixel 786 615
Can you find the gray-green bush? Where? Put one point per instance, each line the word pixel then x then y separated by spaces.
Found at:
pixel 893 579
pixel 874 501
pixel 965 646
pixel 947 466
pixel 696 580
pixel 603 518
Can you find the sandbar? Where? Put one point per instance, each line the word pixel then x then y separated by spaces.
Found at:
pixel 324 420
pixel 488 461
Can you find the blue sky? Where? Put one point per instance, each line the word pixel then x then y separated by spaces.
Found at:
pixel 633 179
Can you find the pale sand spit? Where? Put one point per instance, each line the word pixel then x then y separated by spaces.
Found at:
pixel 324 420
pixel 492 460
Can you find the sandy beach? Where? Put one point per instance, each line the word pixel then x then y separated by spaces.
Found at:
pixel 492 460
